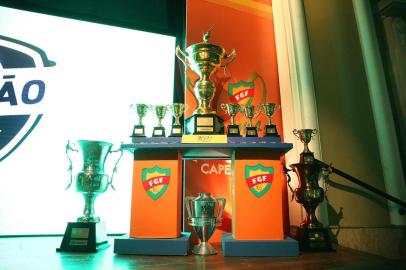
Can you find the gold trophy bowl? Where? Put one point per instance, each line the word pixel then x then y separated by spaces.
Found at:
pixel 205 59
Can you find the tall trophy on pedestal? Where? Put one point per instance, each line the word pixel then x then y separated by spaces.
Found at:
pixel 177 110
pixel 251 111
pixel 205 214
pixel 232 109
pixel 88 233
pixel 160 112
pixel 269 110
pixel 141 110
pixel 310 234
pixel 205 59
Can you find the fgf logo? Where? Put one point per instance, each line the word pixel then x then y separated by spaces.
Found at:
pixel 22 91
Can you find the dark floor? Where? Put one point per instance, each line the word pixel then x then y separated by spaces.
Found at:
pixel 30 253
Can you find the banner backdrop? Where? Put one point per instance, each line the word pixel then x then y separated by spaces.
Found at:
pixel 252 78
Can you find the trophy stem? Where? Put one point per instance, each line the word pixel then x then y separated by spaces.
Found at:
pixel 232 120
pixel 311 220
pixel 177 121
pixel 306 148
pixel 249 122
pixel 140 121
pixel 159 122
pixel 269 121
pixel 88 211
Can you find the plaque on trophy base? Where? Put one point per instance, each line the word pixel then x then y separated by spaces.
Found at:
pixel 271 131
pixel 314 239
pixel 204 124
pixel 138 131
pixel 251 132
pixel 158 132
pixel 176 131
pixel 233 131
pixel 84 237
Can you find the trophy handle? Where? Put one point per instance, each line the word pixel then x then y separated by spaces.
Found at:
pixel 296 133
pixel 67 149
pixel 181 55
pixel 288 179
pixel 220 214
pixel 223 107
pixel 110 183
pixel 230 57
pixel 187 200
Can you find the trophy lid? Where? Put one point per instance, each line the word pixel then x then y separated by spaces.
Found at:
pixel 205 45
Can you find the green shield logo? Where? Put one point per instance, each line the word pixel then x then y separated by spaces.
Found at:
pixel 155 181
pixel 259 179
pixel 241 91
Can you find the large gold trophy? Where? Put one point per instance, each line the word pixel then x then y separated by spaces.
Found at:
pixel 205 59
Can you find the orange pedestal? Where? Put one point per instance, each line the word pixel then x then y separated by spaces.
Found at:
pixel 257 201
pixel 156 195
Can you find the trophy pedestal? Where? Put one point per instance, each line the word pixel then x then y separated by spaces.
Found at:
pixel 233 131
pixel 153 246
pixel 176 131
pixel 158 132
pixel 138 131
pixel 284 247
pixel 204 124
pixel 314 239
pixel 251 132
pixel 271 131
pixel 84 237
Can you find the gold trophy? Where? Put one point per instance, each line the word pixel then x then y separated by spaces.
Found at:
pixel 141 110
pixel 205 59
pixel 232 109
pixel 310 234
pixel 177 110
pixel 160 112
pixel 251 111
pixel 269 110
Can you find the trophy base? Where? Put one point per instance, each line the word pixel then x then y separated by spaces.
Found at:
pixel 176 131
pixel 158 132
pixel 204 124
pixel 84 237
pixel 138 131
pixel 251 132
pixel 233 131
pixel 271 131
pixel 204 248
pixel 314 239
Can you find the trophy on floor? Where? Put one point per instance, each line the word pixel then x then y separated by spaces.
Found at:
pixel 205 214
pixel 269 110
pixel 141 110
pixel 88 233
pixel 205 59
pixel 250 112
pixel 160 112
pixel 232 109
pixel 177 110
pixel 310 234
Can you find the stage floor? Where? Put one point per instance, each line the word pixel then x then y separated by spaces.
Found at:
pixel 31 253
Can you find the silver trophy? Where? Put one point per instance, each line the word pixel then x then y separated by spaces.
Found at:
pixel 88 233
pixel 205 214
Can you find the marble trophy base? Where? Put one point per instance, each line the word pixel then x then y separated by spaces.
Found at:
pixel 138 131
pixel 204 124
pixel 271 131
pixel 84 237
pixel 255 248
pixel 153 246
pixel 314 239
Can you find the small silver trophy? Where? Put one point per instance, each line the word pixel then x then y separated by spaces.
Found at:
pixel 205 214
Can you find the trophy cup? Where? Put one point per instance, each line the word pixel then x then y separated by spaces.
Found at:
pixel 305 136
pixel 160 112
pixel 88 233
pixel 205 213
pixel 232 109
pixel 310 234
pixel 177 110
pixel 251 111
pixel 204 59
pixel 269 110
pixel 141 110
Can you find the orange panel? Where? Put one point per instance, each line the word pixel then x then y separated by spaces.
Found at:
pixel 257 202
pixel 156 199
